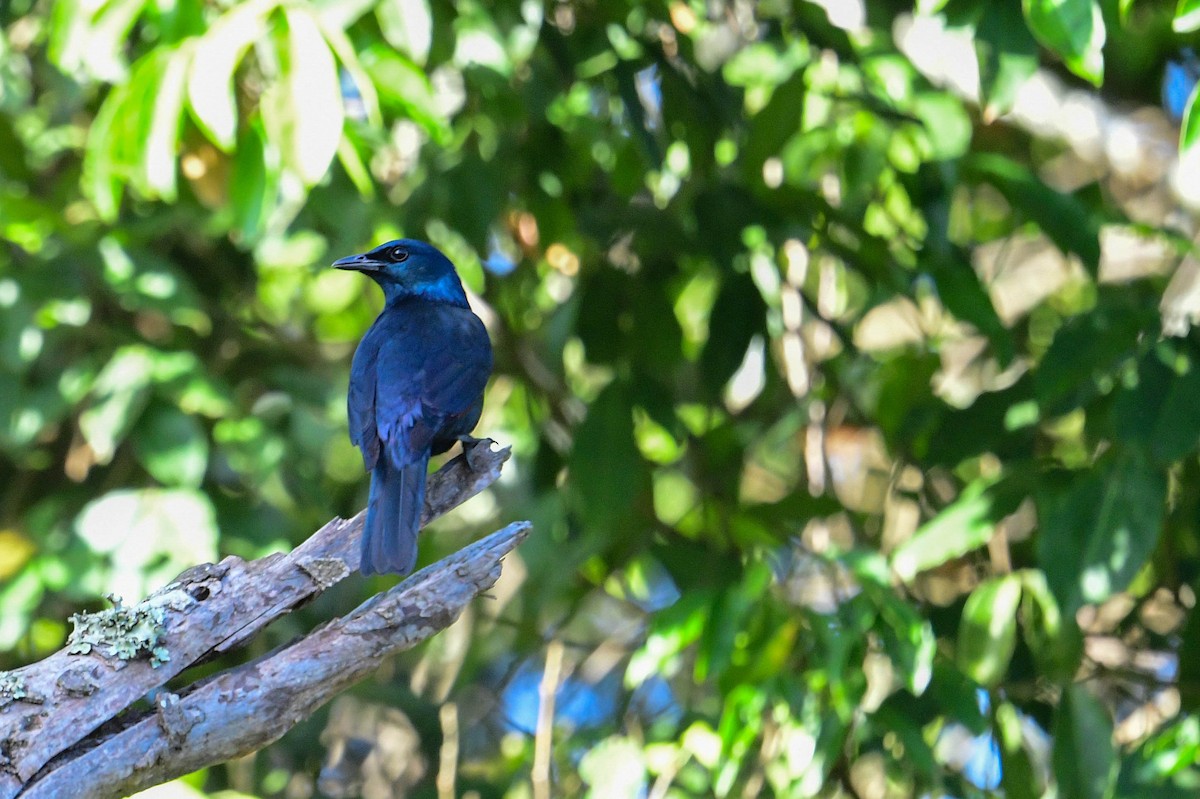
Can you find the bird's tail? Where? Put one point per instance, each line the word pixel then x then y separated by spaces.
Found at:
pixel 389 541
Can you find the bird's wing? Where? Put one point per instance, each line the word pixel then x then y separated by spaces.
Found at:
pixel 433 366
pixel 360 399
pixel 463 358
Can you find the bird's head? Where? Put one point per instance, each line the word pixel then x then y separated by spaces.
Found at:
pixel 409 268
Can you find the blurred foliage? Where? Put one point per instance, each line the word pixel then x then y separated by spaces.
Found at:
pixel 816 514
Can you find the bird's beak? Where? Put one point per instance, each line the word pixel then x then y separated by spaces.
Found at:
pixel 358 263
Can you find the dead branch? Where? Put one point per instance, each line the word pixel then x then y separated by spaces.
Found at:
pixel 51 740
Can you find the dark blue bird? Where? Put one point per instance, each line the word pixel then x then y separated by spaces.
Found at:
pixel 1179 82
pixel 416 387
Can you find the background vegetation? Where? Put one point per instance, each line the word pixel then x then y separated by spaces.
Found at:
pixel 858 466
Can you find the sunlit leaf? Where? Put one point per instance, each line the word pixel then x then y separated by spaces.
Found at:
pixel 946 124
pixel 120 393
pixel 614 767
pixel 347 56
pixel 308 120
pixel 1055 642
pixel 407 25
pixel 104 53
pixel 909 640
pixel 172 446
pixel 1187 16
pixel 671 632
pixel 964 525
pixel 1016 774
pixel 987 632
pixel 254 182
pixel 405 87
pixel 1189 130
pixel 1074 29
pixel 217 55
pixel 147 536
pixel 162 140
pixel 100 182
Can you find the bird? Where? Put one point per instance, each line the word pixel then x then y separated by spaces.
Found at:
pixel 1179 82
pixel 416 387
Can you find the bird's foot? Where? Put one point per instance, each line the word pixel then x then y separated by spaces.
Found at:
pixel 471 450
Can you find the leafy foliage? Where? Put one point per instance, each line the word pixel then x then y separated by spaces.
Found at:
pixel 825 499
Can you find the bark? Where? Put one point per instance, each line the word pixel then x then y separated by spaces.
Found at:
pixel 63 732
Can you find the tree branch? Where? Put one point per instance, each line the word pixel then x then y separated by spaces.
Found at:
pixel 50 744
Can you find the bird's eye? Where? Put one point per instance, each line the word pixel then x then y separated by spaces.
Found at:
pixel 399 254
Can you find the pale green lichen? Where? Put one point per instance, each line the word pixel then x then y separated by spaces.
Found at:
pixel 121 632
pixel 12 688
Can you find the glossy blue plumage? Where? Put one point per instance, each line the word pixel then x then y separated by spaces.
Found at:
pixel 1179 82
pixel 416 387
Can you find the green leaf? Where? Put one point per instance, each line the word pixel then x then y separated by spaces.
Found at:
pixel 1016 770
pixel 736 317
pixel 119 396
pixel 1087 349
pixel 614 767
pixel 356 170
pixel 1187 16
pixel 1189 130
pixel 773 125
pixel 963 525
pixel 408 26
pixel 1054 641
pixel 108 37
pixel 957 697
pixel 347 56
pixel 405 87
pixel 1160 411
pixel 68 35
pixel 1067 221
pixel 1074 29
pixel 210 77
pixel 725 626
pixel 605 465
pixel 254 184
pixel 101 181
pixel 171 445
pixel 908 639
pixel 987 631
pixel 92 37
pixel 1007 54
pixel 964 295
pixel 946 124
pixel 671 632
pixel 166 115
pixel 1100 527
pixel 1084 759
pixel 310 114
pixel 147 536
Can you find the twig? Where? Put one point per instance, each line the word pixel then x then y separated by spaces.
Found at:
pixel 544 736
pixel 448 761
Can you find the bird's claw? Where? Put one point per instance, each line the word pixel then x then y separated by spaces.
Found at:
pixel 471 447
